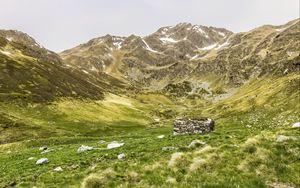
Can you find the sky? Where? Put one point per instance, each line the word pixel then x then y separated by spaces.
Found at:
pixel 63 24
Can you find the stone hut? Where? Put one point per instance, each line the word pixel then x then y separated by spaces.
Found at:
pixel 193 126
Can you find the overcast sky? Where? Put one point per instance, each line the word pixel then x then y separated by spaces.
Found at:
pixel 62 24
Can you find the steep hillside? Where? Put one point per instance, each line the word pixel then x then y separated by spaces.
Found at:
pixel 30 72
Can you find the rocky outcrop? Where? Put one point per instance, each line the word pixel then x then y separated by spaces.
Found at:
pixel 193 126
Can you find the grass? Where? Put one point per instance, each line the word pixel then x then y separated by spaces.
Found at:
pixel 241 152
pixel 228 158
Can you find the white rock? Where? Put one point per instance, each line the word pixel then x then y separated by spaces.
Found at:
pixel 58 169
pixel 30 158
pixel 84 148
pixel 43 148
pixel 296 125
pixel 196 143
pixel 156 119
pixel 42 161
pixel 161 136
pixel 101 142
pixel 121 156
pixel 282 138
pixel 114 144
pixel 171 180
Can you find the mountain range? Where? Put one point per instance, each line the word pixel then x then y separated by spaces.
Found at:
pixel 133 88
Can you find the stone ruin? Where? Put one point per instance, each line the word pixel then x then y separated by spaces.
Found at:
pixel 193 126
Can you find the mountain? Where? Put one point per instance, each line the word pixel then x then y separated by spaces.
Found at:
pixel 145 60
pixel 30 72
pixel 179 53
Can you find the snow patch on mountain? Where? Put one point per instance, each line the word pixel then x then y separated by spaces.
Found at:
pixel 209 47
pixel 9 38
pixel 222 34
pixel 222 45
pixel 215 46
pixel 168 40
pixel 5 52
pixel 148 47
pixel 281 29
pixel 117 41
pixel 195 57
pixel 198 28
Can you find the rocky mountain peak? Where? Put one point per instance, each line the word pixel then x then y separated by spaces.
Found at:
pixel 13 40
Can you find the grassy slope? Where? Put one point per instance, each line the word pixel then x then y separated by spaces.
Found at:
pixel 242 151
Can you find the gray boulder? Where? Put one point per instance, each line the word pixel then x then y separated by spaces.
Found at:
pixel 42 161
pixel 58 169
pixel 84 148
pixel 296 125
pixel 121 156
pixel 282 138
pixel 196 143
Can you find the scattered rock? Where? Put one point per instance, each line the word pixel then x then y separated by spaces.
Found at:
pixel 43 148
pixel 193 126
pixel 282 138
pixel 168 148
pixel 279 185
pixel 101 142
pixel 30 158
pixel 84 148
pixel 12 184
pixel 46 151
pixel 114 144
pixel 196 143
pixel 58 169
pixel 296 125
pixel 93 167
pixel 42 161
pixel 157 120
pixel 161 136
pixel 74 166
pixel 171 180
pixel 121 156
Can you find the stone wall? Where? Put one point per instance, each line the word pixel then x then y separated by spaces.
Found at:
pixel 193 126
